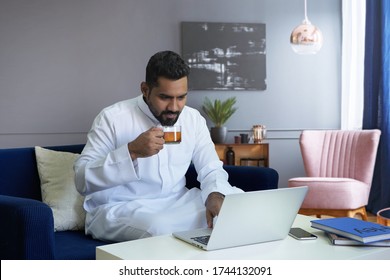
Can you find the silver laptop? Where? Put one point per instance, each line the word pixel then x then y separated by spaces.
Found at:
pixel 249 218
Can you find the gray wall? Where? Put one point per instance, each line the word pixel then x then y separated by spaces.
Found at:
pixel 62 61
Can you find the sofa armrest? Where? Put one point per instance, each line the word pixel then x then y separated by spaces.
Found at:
pixel 28 229
pixel 252 178
pixel 247 178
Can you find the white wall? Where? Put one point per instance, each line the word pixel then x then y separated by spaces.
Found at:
pixel 61 62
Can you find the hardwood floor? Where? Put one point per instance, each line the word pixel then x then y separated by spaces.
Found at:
pixel 371 217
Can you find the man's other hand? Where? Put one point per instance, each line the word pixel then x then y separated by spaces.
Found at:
pixel 213 205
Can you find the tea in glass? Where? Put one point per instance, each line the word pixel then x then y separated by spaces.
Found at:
pixel 172 134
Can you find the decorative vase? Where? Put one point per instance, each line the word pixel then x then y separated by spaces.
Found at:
pixel 218 134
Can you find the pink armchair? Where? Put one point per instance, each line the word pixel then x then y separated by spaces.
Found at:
pixel 339 165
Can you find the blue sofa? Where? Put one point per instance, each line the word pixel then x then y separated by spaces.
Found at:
pixel 27 231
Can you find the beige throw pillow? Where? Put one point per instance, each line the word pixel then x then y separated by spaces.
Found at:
pixel 58 189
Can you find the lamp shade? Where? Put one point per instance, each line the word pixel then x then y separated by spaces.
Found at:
pixel 306 38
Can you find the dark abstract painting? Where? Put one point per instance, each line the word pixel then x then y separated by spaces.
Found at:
pixel 225 56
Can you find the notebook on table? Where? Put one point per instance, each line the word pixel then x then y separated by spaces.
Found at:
pixel 249 218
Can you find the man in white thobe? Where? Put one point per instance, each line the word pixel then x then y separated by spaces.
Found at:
pixel 134 184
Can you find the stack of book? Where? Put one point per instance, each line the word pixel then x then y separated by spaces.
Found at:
pixel 350 231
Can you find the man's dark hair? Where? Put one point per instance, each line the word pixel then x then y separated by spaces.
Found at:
pixel 167 64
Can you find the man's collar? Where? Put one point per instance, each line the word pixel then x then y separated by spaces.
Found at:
pixel 145 109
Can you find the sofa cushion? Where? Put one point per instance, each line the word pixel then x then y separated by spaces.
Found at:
pixel 58 189
pixel 75 245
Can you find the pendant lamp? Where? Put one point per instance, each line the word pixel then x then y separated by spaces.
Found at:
pixel 306 38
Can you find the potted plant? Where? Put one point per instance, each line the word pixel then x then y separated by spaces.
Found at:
pixel 219 112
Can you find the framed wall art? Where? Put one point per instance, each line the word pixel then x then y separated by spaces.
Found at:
pixel 225 56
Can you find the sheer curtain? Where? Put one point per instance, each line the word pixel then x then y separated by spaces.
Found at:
pixel 354 13
pixel 377 96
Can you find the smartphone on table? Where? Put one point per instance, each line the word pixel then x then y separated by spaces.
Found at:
pixel 301 234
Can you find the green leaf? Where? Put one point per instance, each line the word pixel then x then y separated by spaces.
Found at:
pixel 219 112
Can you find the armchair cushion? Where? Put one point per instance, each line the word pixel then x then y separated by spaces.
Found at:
pixel 332 193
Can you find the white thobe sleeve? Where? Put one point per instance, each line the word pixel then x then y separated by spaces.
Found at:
pixel 103 165
pixel 211 175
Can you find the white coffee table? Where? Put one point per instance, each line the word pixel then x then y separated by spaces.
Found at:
pixel 167 247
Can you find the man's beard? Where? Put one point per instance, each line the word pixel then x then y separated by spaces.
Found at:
pixel 160 117
pixel 167 122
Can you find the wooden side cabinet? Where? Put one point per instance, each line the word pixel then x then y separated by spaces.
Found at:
pixel 246 154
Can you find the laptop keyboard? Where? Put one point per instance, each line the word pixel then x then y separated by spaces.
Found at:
pixel 202 239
